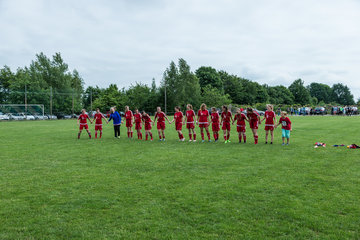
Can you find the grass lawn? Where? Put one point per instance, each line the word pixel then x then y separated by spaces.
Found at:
pixel 53 186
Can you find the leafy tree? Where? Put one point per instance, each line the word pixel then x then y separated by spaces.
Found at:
pixel 91 94
pixel 233 87
pixel 6 77
pixel 209 76
pixel 341 94
pixel 321 91
pixel 300 92
pixel 280 95
pixel 212 97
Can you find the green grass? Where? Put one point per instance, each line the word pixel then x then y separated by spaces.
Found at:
pixel 53 186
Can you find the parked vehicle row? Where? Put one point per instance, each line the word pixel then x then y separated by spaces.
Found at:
pixel 23 116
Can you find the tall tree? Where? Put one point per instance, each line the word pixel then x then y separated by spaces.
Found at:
pixel 212 97
pixel 209 76
pixel 280 95
pixel 300 92
pixel 341 94
pixel 321 91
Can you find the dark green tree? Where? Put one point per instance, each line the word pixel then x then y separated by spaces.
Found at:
pixel 341 94
pixel 300 92
pixel 321 91
pixel 209 76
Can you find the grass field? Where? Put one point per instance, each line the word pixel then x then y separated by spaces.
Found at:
pixel 53 186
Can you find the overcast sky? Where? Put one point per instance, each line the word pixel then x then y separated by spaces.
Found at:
pixel 124 42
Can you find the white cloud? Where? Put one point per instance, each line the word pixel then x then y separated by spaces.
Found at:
pixel 121 42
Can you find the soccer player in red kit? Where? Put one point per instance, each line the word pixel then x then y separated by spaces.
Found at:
pixel 286 127
pixel 240 124
pixel 215 123
pixel 178 118
pixel 203 121
pixel 138 123
pixel 129 121
pixel 226 118
pixel 270 118
pixel 83 123
pixel 147 122
pixel 189 119
pixel 254 120
pixel 98 122
pixel 160 116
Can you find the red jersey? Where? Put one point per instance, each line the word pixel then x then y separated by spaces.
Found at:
pixel 146 118
pixel 286 123
pixel 226 116
pixel 240 119
pixel 269 118
pixel 137 117
pixel 128 115
pixel 253 116
pixel 83 118
pixel 160 116
pixel 190 114
pixel 178 117
pixel 203 116
pixel 215 117
pixel 98 118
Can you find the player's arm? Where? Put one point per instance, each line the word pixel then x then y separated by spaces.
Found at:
pixel 167 118
pixel 78 120
pixel 102 115
pixel 89 119
pixel 185 118
pixel 155 117
pixel 259 118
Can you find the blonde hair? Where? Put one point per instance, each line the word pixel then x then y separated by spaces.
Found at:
pixel 270 106
pixel 203 107
pixel 190 106
pixel 284 113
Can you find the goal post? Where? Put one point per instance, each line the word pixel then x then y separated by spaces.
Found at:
pixel 33 109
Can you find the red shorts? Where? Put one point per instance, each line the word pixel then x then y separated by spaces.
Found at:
pixel 203 125
pixel 215 127
pixel 98 127
pixel 241 128
pixel 254 124
pixel 269 128
pixel 178 126
pixel 226 126
pixel 82 126
pixel 128 123
pixel 190 125
pixel 138 126
pixel 147 126
pixel 161 125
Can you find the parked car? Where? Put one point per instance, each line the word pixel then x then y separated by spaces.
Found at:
pixel 304 111
pixel 29 117
pixel 52 117
pixel 4 117
pixel 40 117
pixel 16 116
pixel 320 111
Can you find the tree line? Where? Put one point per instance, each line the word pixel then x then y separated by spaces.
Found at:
pixel 48 80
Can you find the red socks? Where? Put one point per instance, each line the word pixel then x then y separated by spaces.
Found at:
pixel 190 136
pixel 208 134
pixel 202 136
pixel 95 134
pixel 194 136
pixel 240 137
pixel 225 137
pixel 256 139
pixel 244 138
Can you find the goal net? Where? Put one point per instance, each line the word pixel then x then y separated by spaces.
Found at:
pixel 27 109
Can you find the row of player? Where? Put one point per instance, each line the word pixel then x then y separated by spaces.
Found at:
pixel 203 119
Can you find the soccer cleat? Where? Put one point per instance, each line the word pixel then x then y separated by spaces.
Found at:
pixel 190 140
pixel 163 139
pixel 183 139
pixel 118 137
pixel 216 140
pixel 209 140
pixel 228 141
pixel 202 141
pixel 160 140
pixel 283 144
pixel 194 141
pixel 265 142
pixel 271 143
